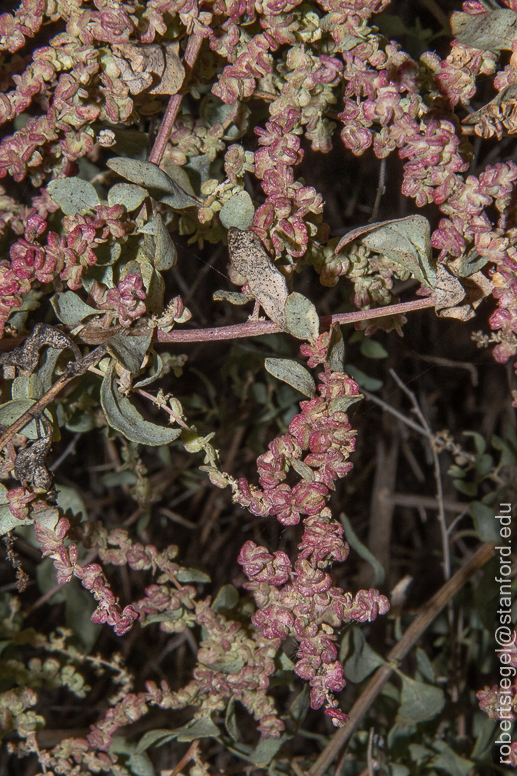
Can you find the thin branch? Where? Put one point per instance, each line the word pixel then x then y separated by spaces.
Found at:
pixel 256 328
pixel 421 622
pixel 388 408
pixel 169 117
pixel 76 369
pixel 437 476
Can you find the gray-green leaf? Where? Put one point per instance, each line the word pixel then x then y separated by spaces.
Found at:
pixel 494 30
pixel 129 350
pixel 302 318
pixel 70 308
pixel 73 195
pixel 302 469
pixel 12 410
pixel 336 349
pixel 144 174
pixel 166 254
pixel 126 194
pixel 123 417
pixel 484 521
pixel 363 661
pixel 292 373
pixel 342 403
pixel 187 575
pixel 419 701
pixel 449 761
pixel 362 551
pixel 238 211
pixel 404 241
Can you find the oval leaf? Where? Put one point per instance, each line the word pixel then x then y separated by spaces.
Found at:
pixel 419 702
pixel 126 194
pixel 373 349
pixel 494 30
pixel 166 254
pixel 123 417
pixel 12 410
pixel 238 211
pixel 404 241
pixel 144 174
pixel 192 575
pixel 70 308
pixel 73 195
pixel 129 351
pixel 302 318
pixel 292 373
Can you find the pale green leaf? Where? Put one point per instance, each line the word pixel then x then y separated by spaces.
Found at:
pixel 292 373
pixel 27 387
pixel 73 195
pixel 8 521
pixel 187 575
pixel 302 469
pixel 144 174
pixel 362 551
pixel 419 701
pixel 238 211
pixel 126 194
pixel 266 749
pixel 226 598
pixel 70 498
pixel 424 665
pixel 302 318
pixel 12 410
pixel 230 721
pixel 336 349
pixel 363 660
pixel 123 417
pixel 141 765
pixel 372 349
pixel 300 706
pixel 70 308
pixel 166 253
pixel 201 728
pixel 484 521
pixel 342 403
pixel 484 738
pixel 449 761
pixel 156 737
pixel 472 263
pixel 129 350
pixel 403 241
pixel 494 30
pixel 154 370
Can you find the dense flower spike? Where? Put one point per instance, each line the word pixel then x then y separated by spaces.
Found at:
pixel 320 72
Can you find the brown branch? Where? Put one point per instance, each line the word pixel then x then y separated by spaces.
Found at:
pixel 255 328
pixel 426 615
pixel 76 369
pixel 169 117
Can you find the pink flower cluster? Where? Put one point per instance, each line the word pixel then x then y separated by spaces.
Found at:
pixel 327 436
pixel 92 578
pixel 66 257
pixel 302 602
pixel 126 300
